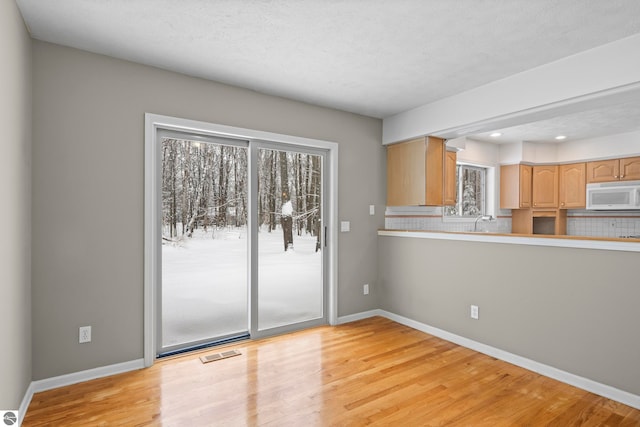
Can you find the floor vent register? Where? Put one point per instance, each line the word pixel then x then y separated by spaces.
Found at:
pixel 219 356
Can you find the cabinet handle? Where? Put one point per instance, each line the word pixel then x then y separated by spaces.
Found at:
pixel 621 176
pixel 615 176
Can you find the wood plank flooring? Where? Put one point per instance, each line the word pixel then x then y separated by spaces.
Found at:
pixel 370 372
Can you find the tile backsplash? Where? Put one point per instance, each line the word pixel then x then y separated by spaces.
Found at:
pixel 431 219
pixel 603 224
pixel 579 223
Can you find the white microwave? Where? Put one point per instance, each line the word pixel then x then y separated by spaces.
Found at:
pixel 618 195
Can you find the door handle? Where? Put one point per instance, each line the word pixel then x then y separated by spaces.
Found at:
pixel 325 236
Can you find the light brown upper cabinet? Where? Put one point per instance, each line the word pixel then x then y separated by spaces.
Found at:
pixel 515 186
pixel 416 172
pixel 630 169
pixel 572 191
pixel 627 169
pixel 545 186
pixel 603 171
pixel 450 188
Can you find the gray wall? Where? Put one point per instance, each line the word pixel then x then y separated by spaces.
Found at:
pixel 88 194
pixel 15 210
pixel 574 309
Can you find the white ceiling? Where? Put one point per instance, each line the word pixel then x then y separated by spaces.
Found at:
pixel 608 120
pixel 370 57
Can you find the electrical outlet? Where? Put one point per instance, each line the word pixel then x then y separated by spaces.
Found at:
pixel 474 312
pixel 85 334
pixel 365 289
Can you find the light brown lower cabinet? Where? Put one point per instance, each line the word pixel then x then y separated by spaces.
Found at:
pixel 534 221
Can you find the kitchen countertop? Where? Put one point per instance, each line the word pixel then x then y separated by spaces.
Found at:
pixel 604 243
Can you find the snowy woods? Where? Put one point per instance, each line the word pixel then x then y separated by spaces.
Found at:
pixel 205 206
pixel 205 186
pixel 470 183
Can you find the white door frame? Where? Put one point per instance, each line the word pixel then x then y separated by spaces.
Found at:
pixel 153 201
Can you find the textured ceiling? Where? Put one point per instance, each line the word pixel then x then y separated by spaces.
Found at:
pixel 371 57
pixel 590 123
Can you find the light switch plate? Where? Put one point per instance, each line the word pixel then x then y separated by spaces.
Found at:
pixel 475 312
pixel 372 209
pixel 345 226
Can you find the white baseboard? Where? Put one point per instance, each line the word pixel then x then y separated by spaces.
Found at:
pixel 531 365
pixel 24 405
pixel 74 378
pixel 360 316
pixel 89 374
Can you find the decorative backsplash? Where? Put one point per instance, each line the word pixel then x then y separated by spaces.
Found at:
pixel 579 223
pixel 431 219
pixel 603 224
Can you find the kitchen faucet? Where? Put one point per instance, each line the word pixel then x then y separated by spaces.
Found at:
pixel 483 218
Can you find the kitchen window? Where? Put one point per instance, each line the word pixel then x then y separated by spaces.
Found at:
pixel 471 192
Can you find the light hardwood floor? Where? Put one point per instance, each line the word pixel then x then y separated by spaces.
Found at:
pixel 373 371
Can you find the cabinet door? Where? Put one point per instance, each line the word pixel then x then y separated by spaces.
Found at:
pixel 603 171
pixel 450 187
pixel 572 192
pixel 526 178
pixel 630 169
pixel 515 186
pixel 406 173
pixel 434 174
pixel 509 187
pixel 545 186
pixel 521 221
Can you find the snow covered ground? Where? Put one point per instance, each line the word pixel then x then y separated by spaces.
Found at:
pixel 204 284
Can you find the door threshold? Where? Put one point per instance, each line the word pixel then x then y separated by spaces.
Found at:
pixel 202 346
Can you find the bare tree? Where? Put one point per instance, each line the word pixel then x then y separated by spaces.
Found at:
pixel 286 218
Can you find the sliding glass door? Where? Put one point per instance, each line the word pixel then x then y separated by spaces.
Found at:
pixel 242 240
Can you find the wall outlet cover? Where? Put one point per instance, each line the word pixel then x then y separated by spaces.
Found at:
pixel 84 334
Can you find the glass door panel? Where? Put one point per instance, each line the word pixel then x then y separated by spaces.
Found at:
pixel 290 254
pixel 204 243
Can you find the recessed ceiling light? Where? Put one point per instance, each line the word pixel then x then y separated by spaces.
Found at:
pixel 559 137
pixel 496 134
